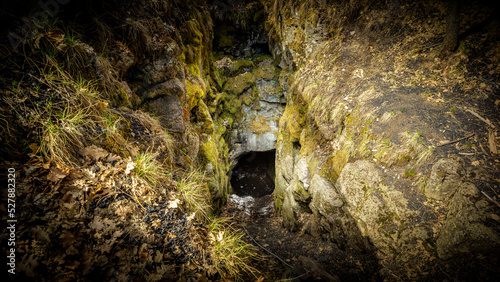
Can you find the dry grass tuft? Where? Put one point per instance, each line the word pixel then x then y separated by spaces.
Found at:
pixel 148 168
pixel 139 35
pixel 232 255
pixel 196 194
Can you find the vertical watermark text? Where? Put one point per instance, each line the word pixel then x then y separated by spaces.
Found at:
pixel 11 220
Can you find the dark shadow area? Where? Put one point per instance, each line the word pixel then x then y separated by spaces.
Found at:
pixel 261 49
pixel 254 174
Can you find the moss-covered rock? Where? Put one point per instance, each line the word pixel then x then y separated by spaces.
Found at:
pixel 301 194
pixel 236 85
pixel 445 179
pixel 233 106
pixel 266 70
pixel 325 196
pixel 204 118
pixel 292 122
pixel 464 231
pixel 247 100
pixel 194 94
pixel 241 64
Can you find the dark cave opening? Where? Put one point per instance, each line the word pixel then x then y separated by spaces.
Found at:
pixel 254 174
pixel 261 49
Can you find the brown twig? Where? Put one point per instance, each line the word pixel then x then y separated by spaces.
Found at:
pixel 481 118
pixel 265 248
pixel 455 141
pixel 491 199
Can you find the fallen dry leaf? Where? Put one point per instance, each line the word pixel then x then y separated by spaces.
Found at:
pixel 495 217
pixel 67 238
pixel 102 104
pixel 492 142
pixel 173 204
pixel 130 167
pixel 34 148
pixel 113 158
pixel 57 173
pixel 443 142
pixel 93 152
pixel 260 279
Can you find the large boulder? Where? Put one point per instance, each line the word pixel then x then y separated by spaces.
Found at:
pixel 170 112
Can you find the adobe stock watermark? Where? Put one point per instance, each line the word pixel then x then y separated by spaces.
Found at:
pixel 47 8
pixel 11 220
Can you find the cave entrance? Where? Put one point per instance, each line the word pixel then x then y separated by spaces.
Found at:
pixel 254 174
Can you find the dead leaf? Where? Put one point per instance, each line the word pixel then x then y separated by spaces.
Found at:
pixel 57 173
pixel 173 204
pixel 123 211
pixel 67 238
pixel 76 174
pixel 68 198
pixel 34 148
pixel 130 167
pixel 46 165
pixel 113 158
pixel 492 142
pixel 93 152
pixel 495 217
pixel 102 105
pixel 260 279
pixel 475 163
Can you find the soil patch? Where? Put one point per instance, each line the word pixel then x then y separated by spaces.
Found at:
pixel 296 247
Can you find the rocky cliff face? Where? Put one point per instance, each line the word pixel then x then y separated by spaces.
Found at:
pixel 382 146
pixel 358 155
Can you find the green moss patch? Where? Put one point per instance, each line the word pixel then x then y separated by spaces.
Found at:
pixel 194 94
pixel 236 85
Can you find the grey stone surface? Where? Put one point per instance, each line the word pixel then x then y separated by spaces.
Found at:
pixel 303 172
pixel 445 179
pixel 169 109
pixel 170 87
pixel 325 198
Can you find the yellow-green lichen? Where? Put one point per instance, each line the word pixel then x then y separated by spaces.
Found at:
pixel 233 105
pixel 194 94
pixel 293 120
pixel 236 85
pixel 238 64
pixel 266 71
pixel 203 116
pixel 247 100
pixel 193 69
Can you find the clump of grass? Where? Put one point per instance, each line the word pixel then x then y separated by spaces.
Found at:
pixel 409 173
pixel 148 168
pixel 196 194
pixel 383 148
pixel 424 154
pixel 167 141
pixel 232 256
pixel 61 136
